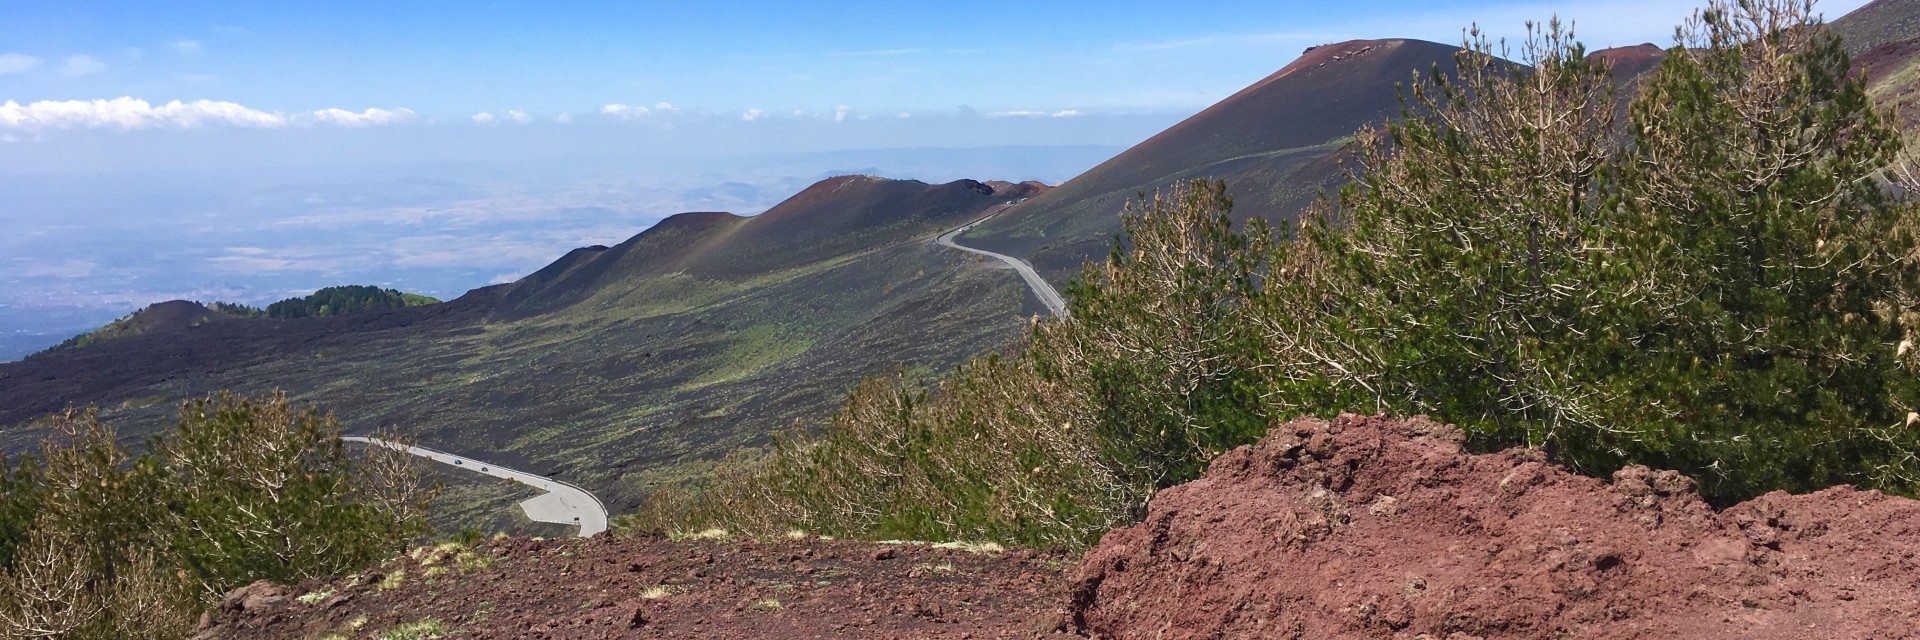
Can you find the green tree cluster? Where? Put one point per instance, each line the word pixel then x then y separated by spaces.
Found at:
pixel 1722 288
pixel 235 309
pixel 1709 277
pixel 99 542
pixel 334 301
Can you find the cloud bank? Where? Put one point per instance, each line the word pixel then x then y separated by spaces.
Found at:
pixel 632 112
pixel 624 112
pixel 127 113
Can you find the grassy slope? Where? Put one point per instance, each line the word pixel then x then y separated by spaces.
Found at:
pixel 1273 142
pixel 615 367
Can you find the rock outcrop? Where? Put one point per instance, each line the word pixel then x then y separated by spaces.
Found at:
pixel 1380 528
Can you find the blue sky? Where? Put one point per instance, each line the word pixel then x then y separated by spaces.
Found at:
pixel 167 149
pixel 444 62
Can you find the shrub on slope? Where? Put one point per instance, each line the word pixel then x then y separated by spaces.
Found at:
pixel 1712 281
pixel 98 542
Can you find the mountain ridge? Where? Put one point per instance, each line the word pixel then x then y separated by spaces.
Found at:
pixel 1285 129
pixel 614 366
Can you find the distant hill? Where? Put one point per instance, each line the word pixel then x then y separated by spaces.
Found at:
pixel 1274 142
pixel 180 315
pixel 162 317
pixel 618 367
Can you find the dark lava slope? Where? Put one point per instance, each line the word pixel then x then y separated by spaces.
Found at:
pixel 614 367
pixel 1274 142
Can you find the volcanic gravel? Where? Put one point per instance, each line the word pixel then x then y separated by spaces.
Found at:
pixel 1378 528
pixel 614 587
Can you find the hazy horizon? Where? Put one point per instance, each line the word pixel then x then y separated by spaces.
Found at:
pixel 249 152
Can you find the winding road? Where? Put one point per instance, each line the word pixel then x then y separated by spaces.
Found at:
pixel 563 503
pixel 1040 288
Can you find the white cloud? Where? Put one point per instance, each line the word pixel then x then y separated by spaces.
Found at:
pixel 563 118
pixel 504 278
pixel 664 107
pixel 77 66
pixel 1066 113
pixel 625 112
pixel 187 47
pixel 8 138
pixel 368 118
pixel 17 63
pixel 752 114
pixel 903 115
pixel 483 118
pixel 517 115
pixel 127 113
pixel 840 112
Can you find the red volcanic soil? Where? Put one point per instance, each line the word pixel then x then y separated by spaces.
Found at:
pixel 1355 528
pixel 1028 189
pixel 1881 61
pixel 1377 528
pixel 598 588
pixel 1629 62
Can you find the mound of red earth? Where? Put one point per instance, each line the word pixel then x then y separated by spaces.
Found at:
pixel 1379 528
pixel 619 587
pixel 1356 528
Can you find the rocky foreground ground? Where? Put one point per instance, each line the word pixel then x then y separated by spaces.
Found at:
pixel 1356 528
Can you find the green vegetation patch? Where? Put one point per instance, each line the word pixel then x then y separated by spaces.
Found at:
pixel 342 300
pixel 1711 279
pixel 421 630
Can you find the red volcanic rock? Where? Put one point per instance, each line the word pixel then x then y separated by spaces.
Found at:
pixel 1631 62
pixel 1380 528
pixel 1026 189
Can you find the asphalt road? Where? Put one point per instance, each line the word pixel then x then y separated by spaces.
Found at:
pixel 1040 288
pixel 562 504
pixel 568 504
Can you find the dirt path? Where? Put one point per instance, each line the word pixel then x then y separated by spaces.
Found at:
pixel 610 587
